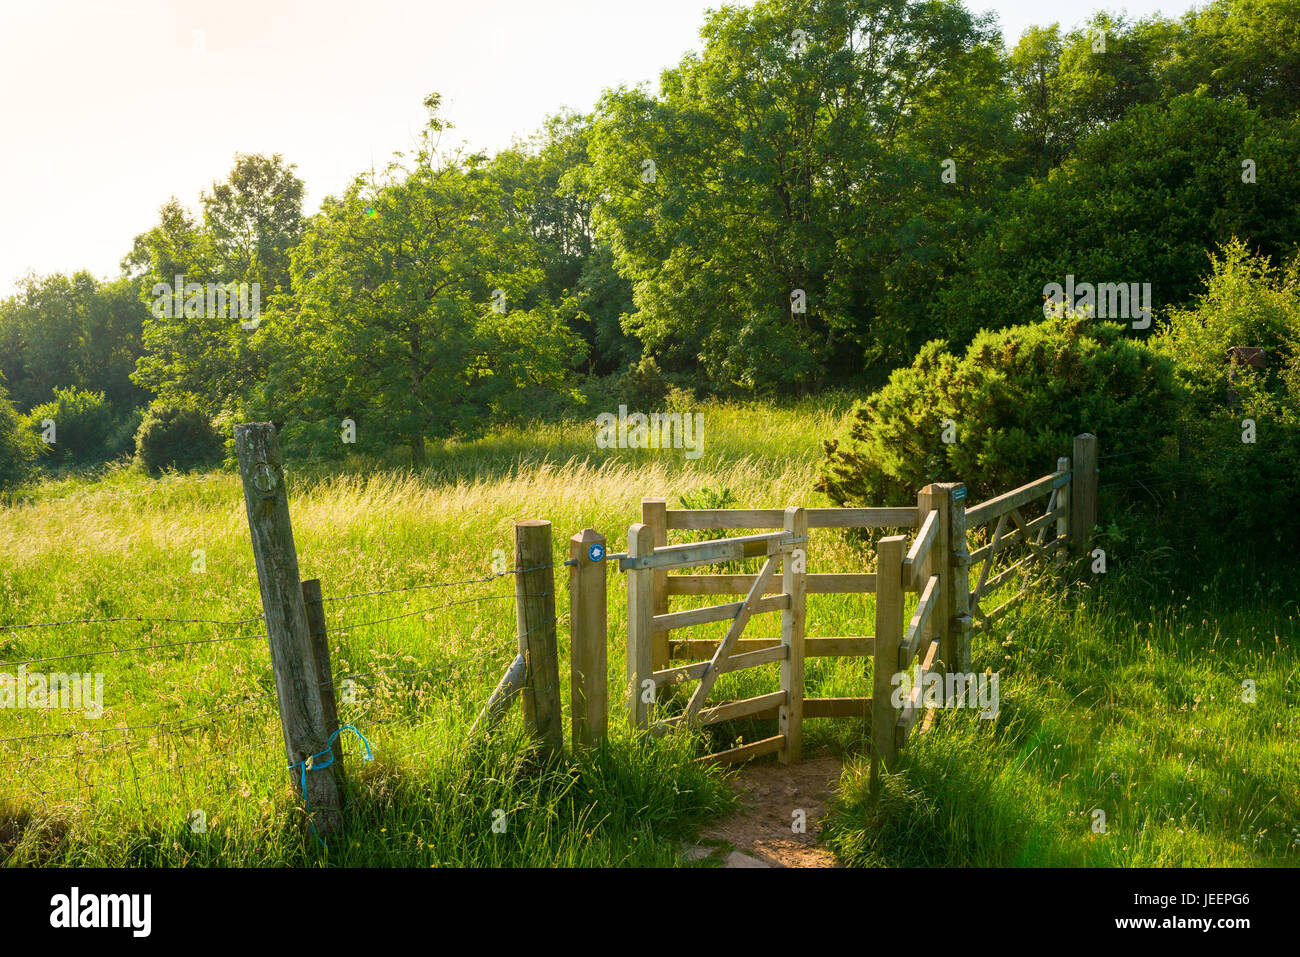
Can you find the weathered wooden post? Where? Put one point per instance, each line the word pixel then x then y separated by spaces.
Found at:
pixel 934 498
pixel 794 568
pixel 640 627
pixel 956 586
pixel 297 684
pixel 535 615
pixel 320 647
pixel 1083 491
pixel 654 512
pixel 889 634
pixel 503 695
pixel 589 665
pixel 1062 506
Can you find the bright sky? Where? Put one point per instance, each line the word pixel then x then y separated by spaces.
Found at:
pixel 108 107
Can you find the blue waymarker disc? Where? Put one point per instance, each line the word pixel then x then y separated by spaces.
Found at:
pixel 596 552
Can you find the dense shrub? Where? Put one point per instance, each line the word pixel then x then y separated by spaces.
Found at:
pixel 18 447
pixel 1015 400
pixel 1235 490
pixel 86 429
pixel 176 436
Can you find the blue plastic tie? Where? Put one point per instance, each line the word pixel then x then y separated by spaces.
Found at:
pixel 321 761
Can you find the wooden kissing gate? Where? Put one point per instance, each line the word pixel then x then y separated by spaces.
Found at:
pixel 935 565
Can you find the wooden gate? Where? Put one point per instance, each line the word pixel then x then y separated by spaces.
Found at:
pixel 779 550
pixel 935 565
pixel 650 623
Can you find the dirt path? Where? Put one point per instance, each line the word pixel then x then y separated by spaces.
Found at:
pixel 760 833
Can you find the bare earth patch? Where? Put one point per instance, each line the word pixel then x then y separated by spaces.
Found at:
pixel 760 832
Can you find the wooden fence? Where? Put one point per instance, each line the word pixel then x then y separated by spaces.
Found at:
pixel 931 559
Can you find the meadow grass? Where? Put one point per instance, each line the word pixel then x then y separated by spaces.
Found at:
pixel 1119 697
pixel 1088 690
pixel 122 545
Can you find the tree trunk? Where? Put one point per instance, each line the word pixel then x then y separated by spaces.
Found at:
pixel 417 449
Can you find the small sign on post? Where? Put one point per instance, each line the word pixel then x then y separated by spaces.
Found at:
pixel 589 675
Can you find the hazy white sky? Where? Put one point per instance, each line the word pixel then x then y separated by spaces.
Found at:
pixel 108 108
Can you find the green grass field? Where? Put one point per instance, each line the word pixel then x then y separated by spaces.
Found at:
pixel 1115 694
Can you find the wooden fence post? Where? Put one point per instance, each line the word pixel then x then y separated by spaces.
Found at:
pixel 640 626
pixel 956 646
pixel 654 512
pixel 297 684
pixel 320 648
pixel 589 668
pixel 1083 491
pixel 535 615
pixel 794 569
pixel 1063 506
pixel 889 634
pixel 934 497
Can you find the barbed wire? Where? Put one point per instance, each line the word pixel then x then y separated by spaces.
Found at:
pixel 72 733
pixel 124 651
pixel 121 781
pixel 1120 455
pixel 466 581
pixel 343 629
pixel 193 722
pixel 102 621
pixel 244 621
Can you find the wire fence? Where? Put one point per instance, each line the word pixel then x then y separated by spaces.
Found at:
pixel 71 766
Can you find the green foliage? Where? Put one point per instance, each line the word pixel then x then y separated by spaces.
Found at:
pixel 1015 401
pixel 1247 48
pixel 1235 489
pixel 543 180
pixel 87 430
pixel 1070 86
pixel 1123 210
pixel 71 331
pixel 779 168
pixel 249 226
pixel 18 446
pixel 408 313
pixel 175 436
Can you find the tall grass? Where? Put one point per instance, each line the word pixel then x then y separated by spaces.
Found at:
pixel 208 738
pixel 1121 695
pixel 1119 698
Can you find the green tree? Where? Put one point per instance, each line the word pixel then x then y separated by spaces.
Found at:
pixel 1002 413
pixel 19 446
pixel 250 224
pixel 407 316
pixel 1071 86
pixel 543 179
pixel 802 150
pixel 87 431
pixel 66 331
pixel 1248 48
pixel 1138 202
pixel 1241 424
